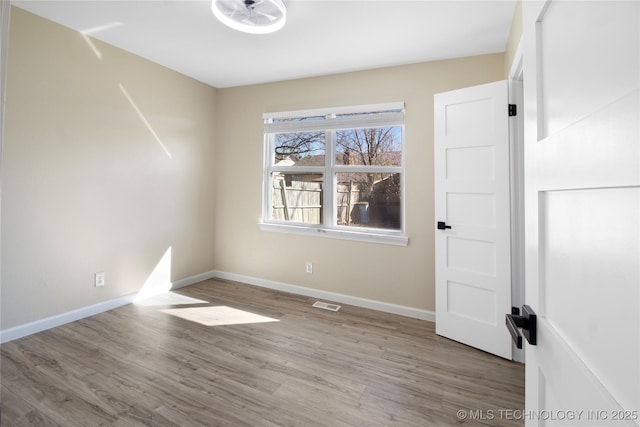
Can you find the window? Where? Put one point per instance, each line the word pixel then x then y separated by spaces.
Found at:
pixel 336 172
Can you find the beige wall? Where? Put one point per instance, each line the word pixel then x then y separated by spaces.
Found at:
pixel 110 160
pixel 88 183
pixel 514 38
pixel 391 274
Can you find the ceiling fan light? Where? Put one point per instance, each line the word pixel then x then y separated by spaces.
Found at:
pixel 249 16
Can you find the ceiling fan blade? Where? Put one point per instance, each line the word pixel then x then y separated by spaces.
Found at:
pixel 231 4
pixel 266 15
pixel 235 10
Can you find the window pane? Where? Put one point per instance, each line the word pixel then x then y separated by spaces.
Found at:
pixel 369 200
pixel 299 149
pixel 369 146
pixel 297 197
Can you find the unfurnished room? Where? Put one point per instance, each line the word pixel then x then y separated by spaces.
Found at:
pixel 320 213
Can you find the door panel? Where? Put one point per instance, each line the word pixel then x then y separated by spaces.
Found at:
pixel 589 246
pixel 470 163
pixel 473 288
pixel 483 216
pixel 582 209
pixel 464 119
pixel 471 255
pixel 474 302
pixel 574 57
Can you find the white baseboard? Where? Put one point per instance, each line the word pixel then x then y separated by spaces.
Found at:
pixel 71 316
pixel 20 331
pixel 16 332
pixel 331 296
pixel 193 279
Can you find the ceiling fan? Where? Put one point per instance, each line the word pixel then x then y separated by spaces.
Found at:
pixel 251 16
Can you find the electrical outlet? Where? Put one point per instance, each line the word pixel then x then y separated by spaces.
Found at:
pixel 309 267
pixel 99 279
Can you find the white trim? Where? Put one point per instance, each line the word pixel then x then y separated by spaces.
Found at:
pixel 192 280
pixel 516 154
pixel 335 233
pixel 73 315
pixel 331 296
pixel 516 65
pixel 334 123
pixel 60 319
pixel 387 106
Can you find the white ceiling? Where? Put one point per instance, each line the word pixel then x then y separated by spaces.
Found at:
pixel 321 36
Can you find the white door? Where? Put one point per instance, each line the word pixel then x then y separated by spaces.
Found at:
pixel 473 286
pixel 582 211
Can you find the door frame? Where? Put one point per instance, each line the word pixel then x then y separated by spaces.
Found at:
pixel 516 177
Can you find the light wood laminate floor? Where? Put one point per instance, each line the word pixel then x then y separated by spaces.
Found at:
pixel 138 365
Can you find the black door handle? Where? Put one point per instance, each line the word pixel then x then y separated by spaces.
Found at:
pixel 527 322
pixel 443 225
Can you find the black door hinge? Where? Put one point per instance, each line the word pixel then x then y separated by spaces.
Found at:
pixel 512 110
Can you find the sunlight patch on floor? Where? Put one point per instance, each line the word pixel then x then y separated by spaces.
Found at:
pixel 218 316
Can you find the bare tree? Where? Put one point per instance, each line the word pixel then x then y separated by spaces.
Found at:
pixel 298 145
pixel 370 146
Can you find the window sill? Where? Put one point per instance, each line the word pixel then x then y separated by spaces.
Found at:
pixel 358 236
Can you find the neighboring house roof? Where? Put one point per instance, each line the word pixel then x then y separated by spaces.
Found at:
pixel 287 161
pixel 311 161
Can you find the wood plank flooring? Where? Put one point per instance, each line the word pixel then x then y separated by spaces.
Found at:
pixel 137 365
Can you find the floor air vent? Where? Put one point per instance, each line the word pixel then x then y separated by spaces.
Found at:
pixel 326 306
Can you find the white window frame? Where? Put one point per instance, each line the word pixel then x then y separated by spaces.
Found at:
pixel 387 115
